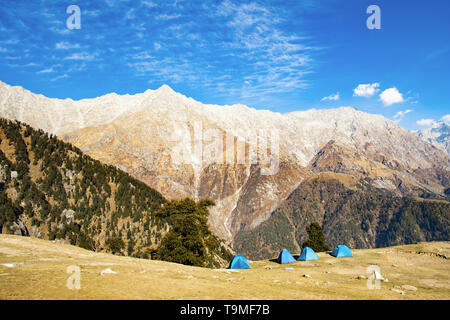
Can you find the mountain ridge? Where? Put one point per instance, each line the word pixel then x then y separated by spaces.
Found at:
pixel 145 135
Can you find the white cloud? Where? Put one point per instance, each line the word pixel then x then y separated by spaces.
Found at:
pixel 446 118
pixel 60 31
pixel 149 4
pixel 60 77
pixel 391 96
pixel 130 14
pixel 334 97
pixel 66 46
pixel 401 114
pixel 80 56
pixel 366 90
pixel 167 16
pixel 110 3
pixel 141 56
pixel 425 122
pixel 279 60
pixel 10 41
pixel 273 60
pixel 92 13
pixel 49 70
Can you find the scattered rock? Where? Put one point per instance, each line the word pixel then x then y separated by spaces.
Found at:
pixel 36 232
pixel 190 277
pixel 360 277
pixel 306 276
pixel 19 229
pixel 289 268
pixel 69 214
pixel 398 291
pixel 70 174
pixel 4 274
pixel 14 174
pixel 268 267
pixel 108 271
pixel 407 287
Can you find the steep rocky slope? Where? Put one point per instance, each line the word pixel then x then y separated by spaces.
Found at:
pixel 179 147
pixel 351 211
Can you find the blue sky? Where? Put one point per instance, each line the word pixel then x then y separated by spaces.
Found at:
pixel 277 55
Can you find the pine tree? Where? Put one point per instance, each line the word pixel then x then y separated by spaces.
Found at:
pixel 316 239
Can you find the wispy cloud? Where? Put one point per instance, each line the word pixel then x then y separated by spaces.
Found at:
pixel 59 77
pixel 48 70
pixel 149 4
pixel 239 51
pixel 66 46
pixel 333 97
pixel 61 31
pixel 130 14
pixel 85 56
pixel 167 16
pixel 278 62
pixel 401 114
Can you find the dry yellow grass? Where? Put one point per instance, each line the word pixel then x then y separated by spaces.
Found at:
pixel 40 272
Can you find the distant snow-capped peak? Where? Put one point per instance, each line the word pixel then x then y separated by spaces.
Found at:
pixel 438 135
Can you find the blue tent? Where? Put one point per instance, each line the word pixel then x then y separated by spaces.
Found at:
pixel 342 251
pixel 285 257
pixel 307 254
pixel 239 262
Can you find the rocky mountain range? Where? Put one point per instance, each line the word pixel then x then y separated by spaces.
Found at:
pixel 248 161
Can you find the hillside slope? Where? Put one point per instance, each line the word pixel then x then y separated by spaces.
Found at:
pixel 36 269
pixel 51 190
